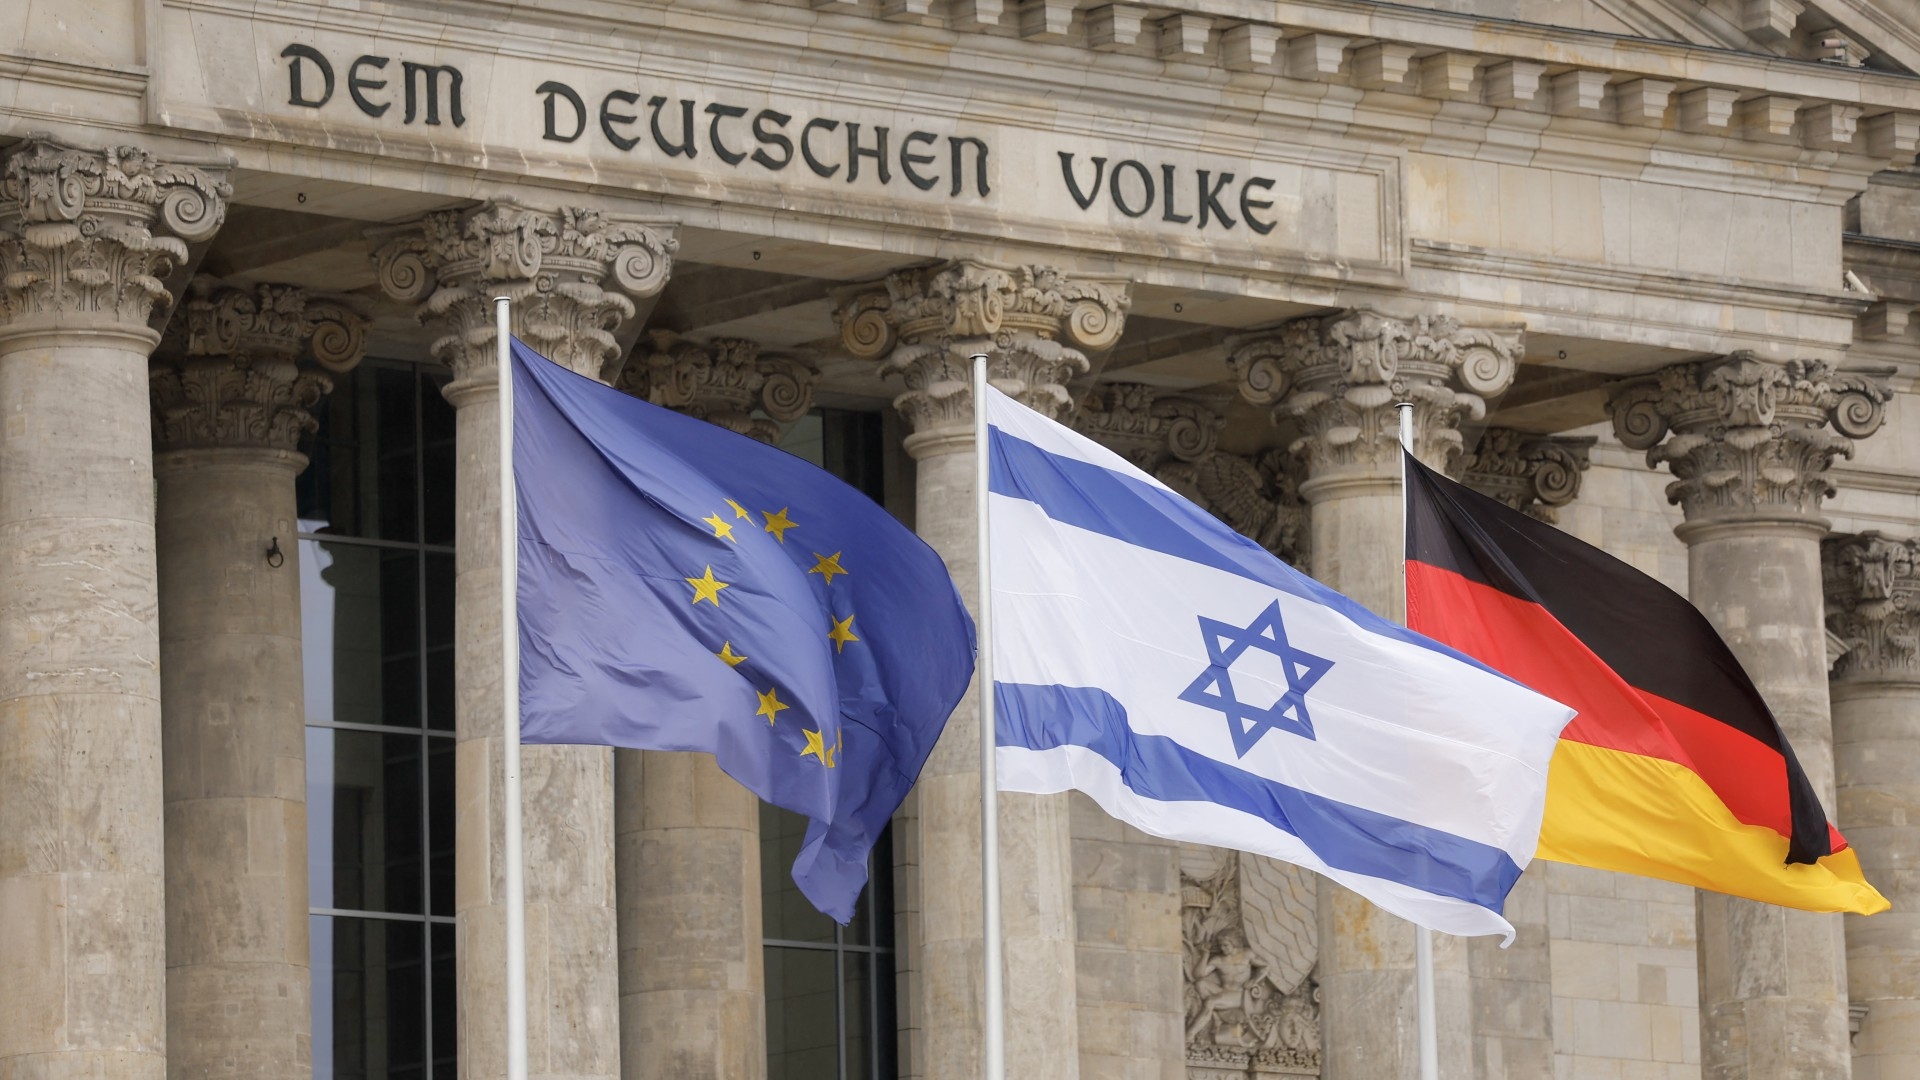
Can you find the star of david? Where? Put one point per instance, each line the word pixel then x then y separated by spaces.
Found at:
pixel 1226 643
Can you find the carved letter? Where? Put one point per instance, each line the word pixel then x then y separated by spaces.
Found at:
pixel 1249 205
pixel 908 159
pixel 608 118
pixel 855 152
pixel 772 138
pixel 719 113
pixel 685 147
pixel 1085 199
pixel 307 52
pixel 1210 199
pixel 559 89
pixel 806 146
pixel 1167 212
pixel 355 84
pixel 1146 185
pixel 958 143
pixel 431 73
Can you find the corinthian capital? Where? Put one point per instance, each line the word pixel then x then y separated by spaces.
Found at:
pixel 1873 604
pixel 1147 426
pixel 1338 380
pixel 1749 439
pixel 722 382
pixel 228 374
pixel 1175 439
pixel 1033 321
pixel 88 237
pixel 1533 473
pixel 554 264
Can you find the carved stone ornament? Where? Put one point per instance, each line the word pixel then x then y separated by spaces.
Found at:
pixel 553 264
pixel 77 233
pixel 1338 379
pixel 1872 584
pixel 722 382
pixel 1033 321
pixel 228 374
pixel 1532 473
pixel 1175 438
pixel 1250 945
pixel 1750 439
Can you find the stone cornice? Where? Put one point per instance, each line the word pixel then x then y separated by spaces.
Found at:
pixel 1750 439
pixel 723 381
pixel 1872 584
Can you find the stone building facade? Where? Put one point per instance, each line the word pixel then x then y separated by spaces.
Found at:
pixel 1647 269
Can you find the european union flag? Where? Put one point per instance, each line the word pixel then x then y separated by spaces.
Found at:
pixel 686 588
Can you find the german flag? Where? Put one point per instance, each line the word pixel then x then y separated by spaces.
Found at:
pixel 1674 767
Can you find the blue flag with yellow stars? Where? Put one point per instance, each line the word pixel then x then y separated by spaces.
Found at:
pixel 686 588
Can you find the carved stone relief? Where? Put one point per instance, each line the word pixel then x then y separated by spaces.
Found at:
pixel 1251 941
pixel 1873 605
pixel 722 382
pixel 1536 474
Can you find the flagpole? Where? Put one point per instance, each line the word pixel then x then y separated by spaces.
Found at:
pixel 994 1049
pixel 514 875
pixel 1422 937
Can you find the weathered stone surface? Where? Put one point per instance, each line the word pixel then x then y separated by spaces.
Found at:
pixel 723 382
pixel 85 239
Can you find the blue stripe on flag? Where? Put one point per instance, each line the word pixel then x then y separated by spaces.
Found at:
pixel 1087 496
pixel 1345 837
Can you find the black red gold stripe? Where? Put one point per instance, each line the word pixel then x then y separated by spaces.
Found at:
pixel 1674 767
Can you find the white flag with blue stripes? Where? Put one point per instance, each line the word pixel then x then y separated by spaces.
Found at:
pixel 1200 689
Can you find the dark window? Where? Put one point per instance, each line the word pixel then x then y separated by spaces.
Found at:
pixel 830 989
pixel 376 599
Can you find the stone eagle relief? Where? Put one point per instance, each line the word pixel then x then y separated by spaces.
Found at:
pixel 1252 1003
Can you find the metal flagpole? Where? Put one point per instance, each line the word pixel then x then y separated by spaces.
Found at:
pixel 515 872
pixel 1422 937
pixel 994 1051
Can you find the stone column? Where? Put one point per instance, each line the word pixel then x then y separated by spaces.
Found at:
pixel 1873 607
pixel 1749 451
pixel 1335 381
pixel 692 982
pixel 1512 987
pixel 229 408
pixel 571 274
pixel 86 240
pixel 1034 322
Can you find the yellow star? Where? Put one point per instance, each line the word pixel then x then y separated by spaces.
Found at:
pixel 706 588
pixel 827 566
pixel 770 704
pixel 817 747
pixel 778 523
pixel 726 653
pixel 841 633
pixel 721 528
pixel 740 511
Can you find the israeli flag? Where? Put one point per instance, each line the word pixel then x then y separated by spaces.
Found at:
pixel 1200 689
